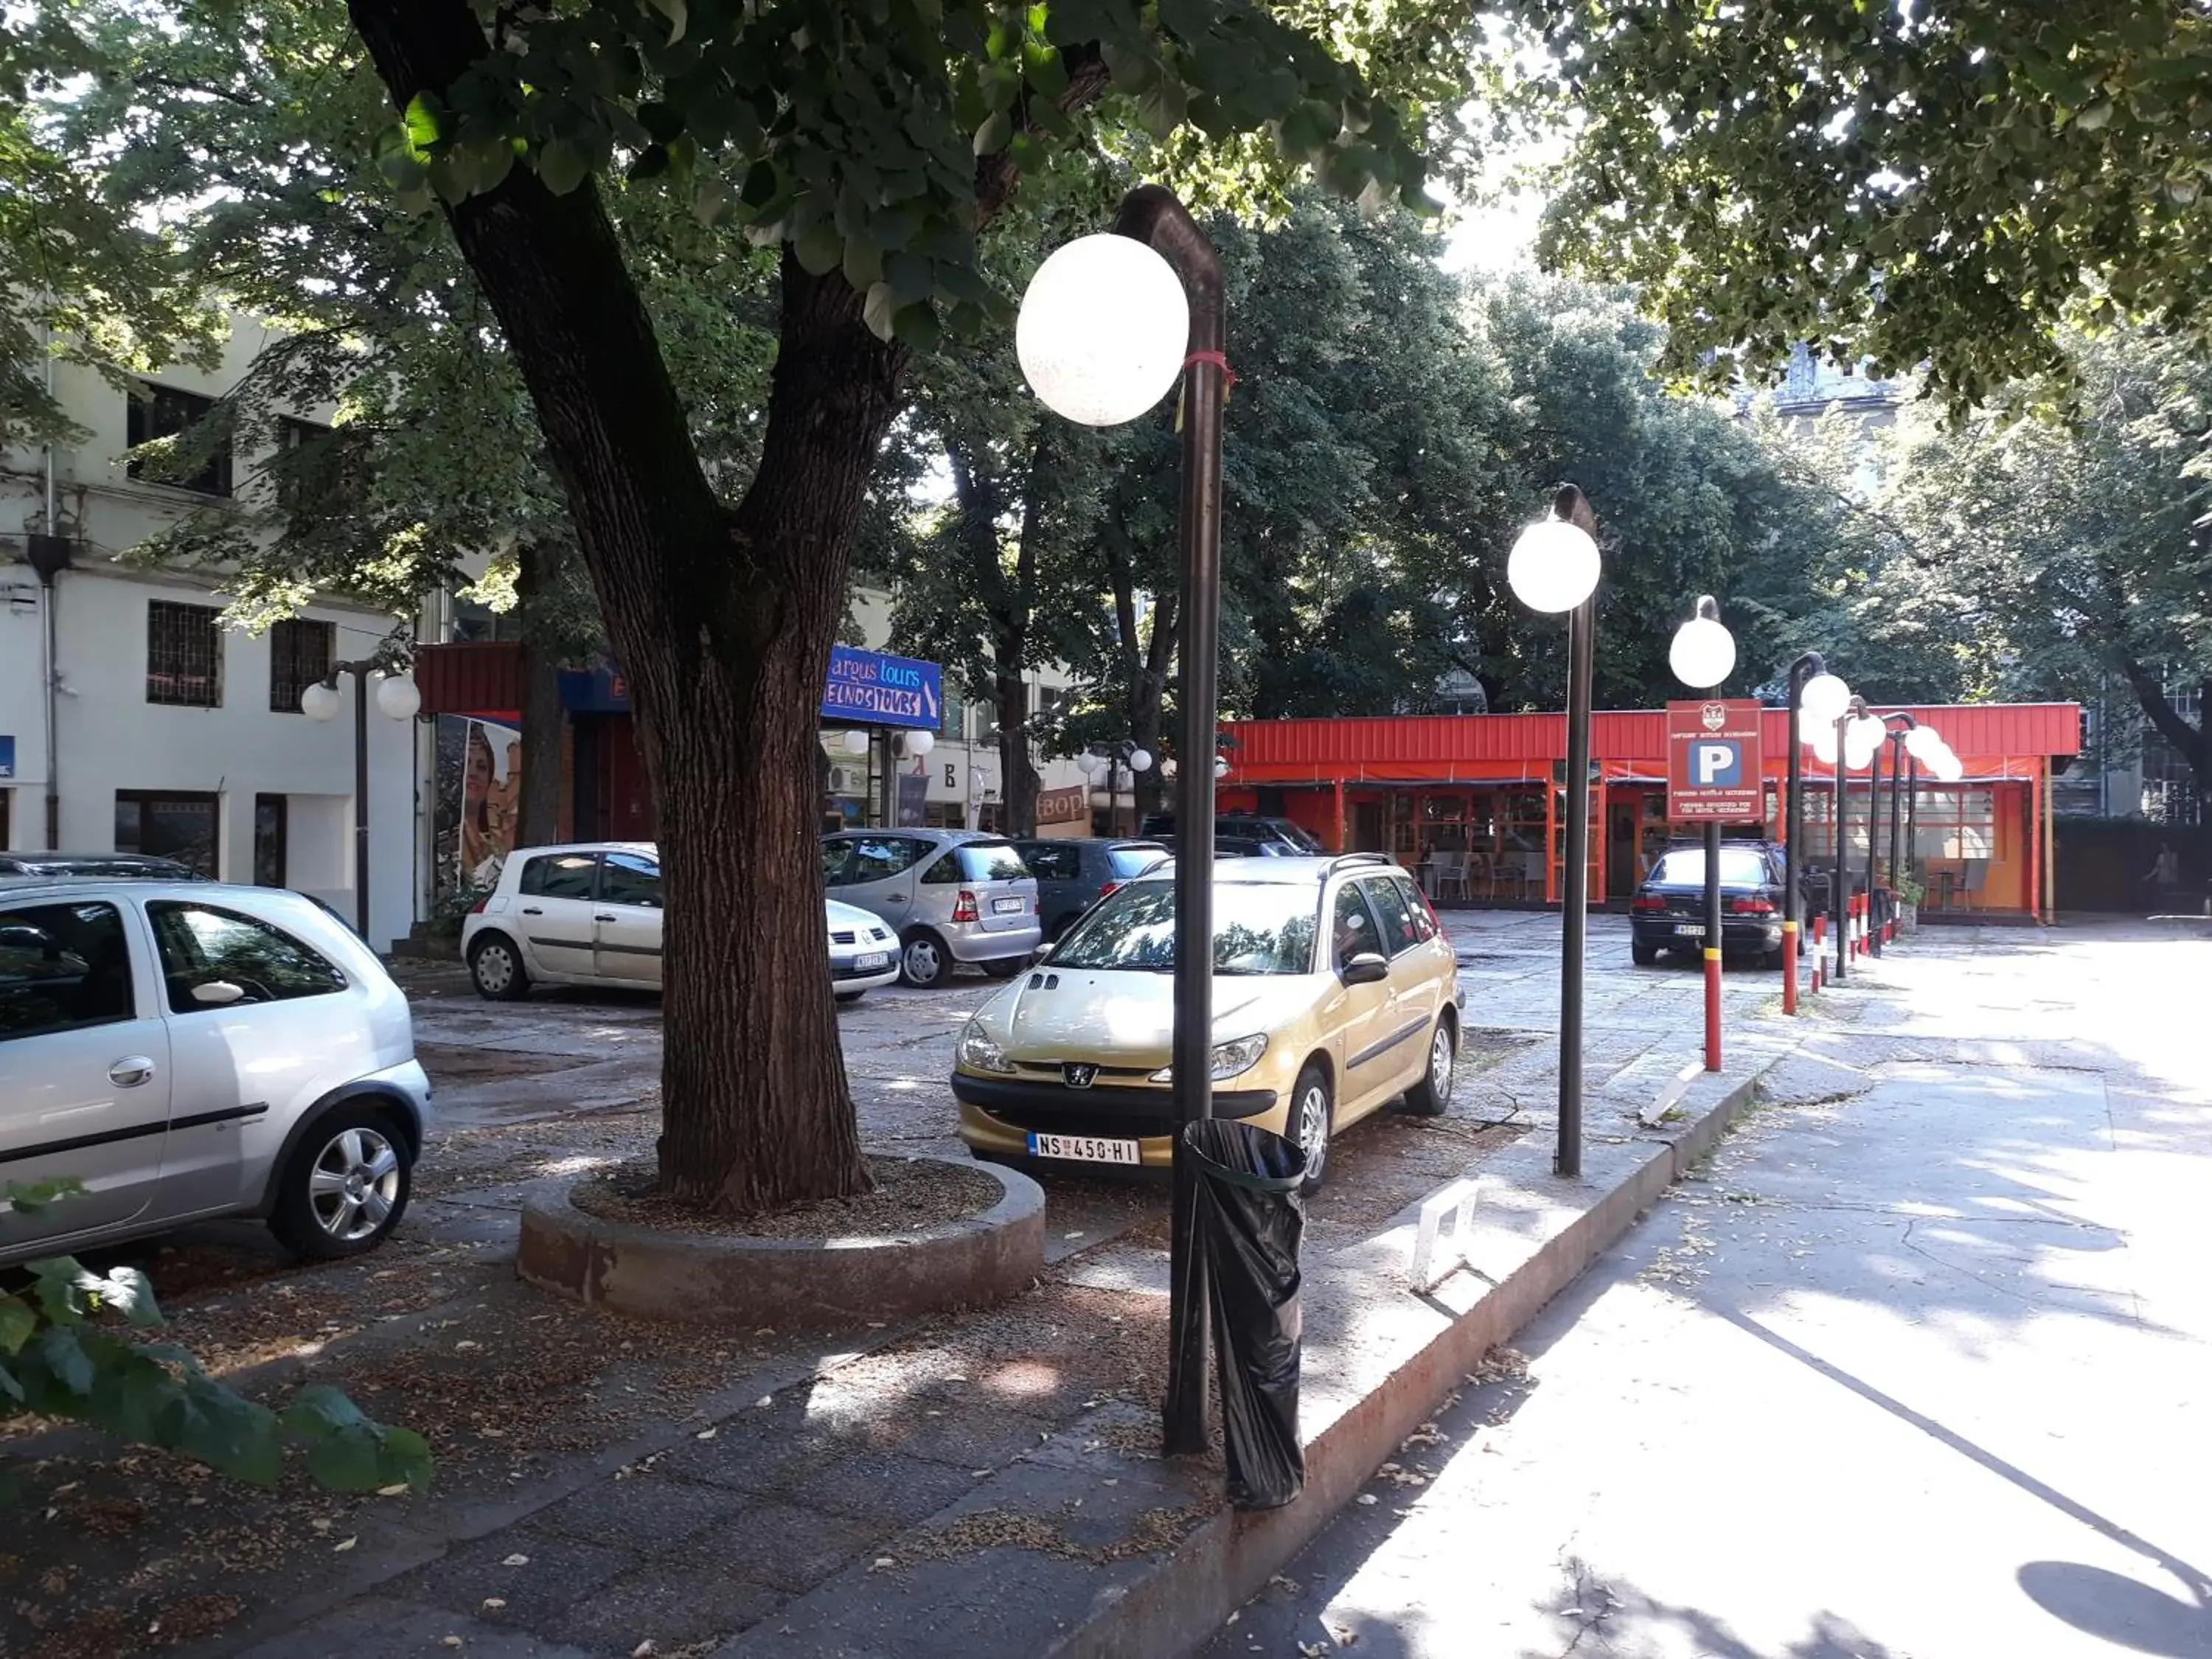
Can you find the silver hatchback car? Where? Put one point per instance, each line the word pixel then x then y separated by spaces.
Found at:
pixel 951 896
pixel 185 1050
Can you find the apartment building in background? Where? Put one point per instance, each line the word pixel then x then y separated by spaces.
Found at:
pixel 132 719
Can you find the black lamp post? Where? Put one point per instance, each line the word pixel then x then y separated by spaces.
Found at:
pixel 1901 772
pixel 1105 330
pixel 397 696
pixel 1554 568
pixel 1809 670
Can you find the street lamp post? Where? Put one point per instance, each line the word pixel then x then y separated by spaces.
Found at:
pixel 1815 698
pixel 397 696
pixel 1858 738
pixel 1702 656
pixel 1108 325
pixel 1120 753
pixel 1554 567
pixel 1917 745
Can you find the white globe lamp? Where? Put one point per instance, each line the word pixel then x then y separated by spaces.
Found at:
pixel 1553 566
pixel 855 742
pixel 1821 740
pixel 1821 704
pixel 1948 768
pixel 1090 765
pixel 398 696
pixel 920 743
pixel 319 702
pixel 1103 329
pixel 1220 766
pixel 1140 760
pixel 1703 652
pixel 1923 744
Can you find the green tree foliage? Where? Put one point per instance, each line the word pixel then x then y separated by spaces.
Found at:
pixel 2079 550
pixel 81 281
pixel 1940 183
pixel 72 1347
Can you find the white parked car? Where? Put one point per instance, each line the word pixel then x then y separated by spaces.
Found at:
pixel 188 1050
pixel 591 914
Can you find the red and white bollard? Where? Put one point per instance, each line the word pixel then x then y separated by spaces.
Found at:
pixel 1819 950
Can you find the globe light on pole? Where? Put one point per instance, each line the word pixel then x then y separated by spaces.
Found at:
pixel 1103 329
pixel 399 696
pixel 1924 743
pixel 1220 766
pixel 1821 740
pixel 1821 704
pixel 1553 566
pixel 319 702
pixel 1861 738
pixel 855 742
pixel 919 742
pixel 1704 651
pixel 1140 760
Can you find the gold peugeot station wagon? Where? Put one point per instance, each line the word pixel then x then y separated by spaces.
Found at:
pixel 1335 992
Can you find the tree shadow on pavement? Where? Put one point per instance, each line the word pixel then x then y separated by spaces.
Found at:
pixel 1613 1619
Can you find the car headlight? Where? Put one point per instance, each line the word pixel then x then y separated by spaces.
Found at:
pixel 1231 1059
pixel 978 1053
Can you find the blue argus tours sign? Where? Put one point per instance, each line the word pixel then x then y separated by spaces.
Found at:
pixel 869 688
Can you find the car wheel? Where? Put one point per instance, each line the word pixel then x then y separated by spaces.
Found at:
pixel 1432 1096
pixel 496 965
pixel 1644 956
pixel 924 961
pixel 346 1186
pixel 1007 967
pixel 1311 1111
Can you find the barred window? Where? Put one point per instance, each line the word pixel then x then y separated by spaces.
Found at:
pixel 162 411
pixel 184 654
pixel 300 655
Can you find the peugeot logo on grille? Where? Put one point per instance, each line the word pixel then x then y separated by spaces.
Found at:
pixel 1079 1076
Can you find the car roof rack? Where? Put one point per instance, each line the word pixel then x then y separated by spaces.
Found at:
pixel 1346 861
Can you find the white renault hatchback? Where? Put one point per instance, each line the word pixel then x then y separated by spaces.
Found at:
pixel 184 1050
pixel 590 914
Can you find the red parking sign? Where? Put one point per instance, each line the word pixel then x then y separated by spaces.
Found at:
pixel 1713 760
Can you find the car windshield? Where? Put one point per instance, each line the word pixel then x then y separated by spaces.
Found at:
pixel 992 862
pixel 1259 928
pixel 1740 867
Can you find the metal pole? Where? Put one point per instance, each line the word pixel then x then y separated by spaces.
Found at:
pixel 1874 841
pixel 1152 215
pixel 361 800
pixel 1793 865
pixel 1912 814
pixel 1574 915
pixel 1713 946
pixel 1840 879
pixel 886 783
pixel 1897 764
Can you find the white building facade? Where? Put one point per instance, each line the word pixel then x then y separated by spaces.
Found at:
pixel 132 719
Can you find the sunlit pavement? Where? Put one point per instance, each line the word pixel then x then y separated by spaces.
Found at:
pixel 1918 1368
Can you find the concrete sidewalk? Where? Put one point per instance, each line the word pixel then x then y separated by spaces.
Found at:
pixel 1916 1368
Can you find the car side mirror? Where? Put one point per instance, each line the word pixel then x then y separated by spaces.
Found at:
pixel 218 993
pixel 1366 969
pixel 1042 951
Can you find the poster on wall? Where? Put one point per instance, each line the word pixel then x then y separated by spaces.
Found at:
pixel 913 793
pixel 479 787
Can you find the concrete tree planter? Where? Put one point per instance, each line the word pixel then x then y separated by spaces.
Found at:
pixel 710 1278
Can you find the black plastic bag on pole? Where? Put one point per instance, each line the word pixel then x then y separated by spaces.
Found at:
pixel 1251 1220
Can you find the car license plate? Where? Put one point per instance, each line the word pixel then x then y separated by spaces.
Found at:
pixel 1689 930
pixel 1007 907
pixel 1091 1148
pixel 871 964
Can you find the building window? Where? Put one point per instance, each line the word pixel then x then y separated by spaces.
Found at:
pixel 300 655
pixel 176 824
pixel 184 654
pixel 162 411
pixel 269 837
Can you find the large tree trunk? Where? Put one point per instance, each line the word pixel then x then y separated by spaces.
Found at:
pixel 723 624
pixel 1017 774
